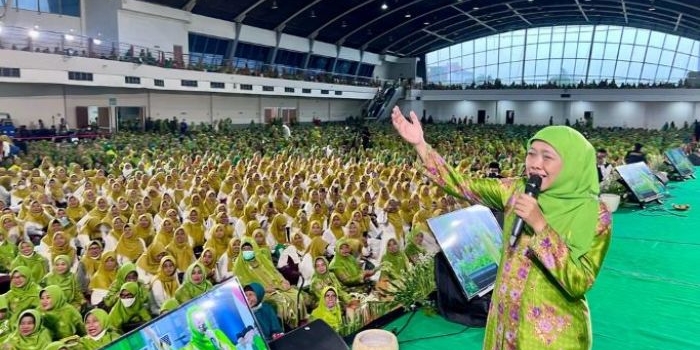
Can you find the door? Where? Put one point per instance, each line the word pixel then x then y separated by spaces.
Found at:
pixel 103 118
pixel 510 117
pixel 481 116
pixel 81 117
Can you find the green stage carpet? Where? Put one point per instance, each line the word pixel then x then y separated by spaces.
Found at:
pixel 646 297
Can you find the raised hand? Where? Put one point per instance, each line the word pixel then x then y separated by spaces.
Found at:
pixel 411 131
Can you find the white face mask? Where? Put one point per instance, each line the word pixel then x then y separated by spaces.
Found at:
pixel 128 302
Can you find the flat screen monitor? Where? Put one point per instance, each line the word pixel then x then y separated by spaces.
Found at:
pixel 680 162
pixel 641 181
pixel 220 317
pixel 471 240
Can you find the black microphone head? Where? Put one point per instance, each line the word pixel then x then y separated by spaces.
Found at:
pixel 534 182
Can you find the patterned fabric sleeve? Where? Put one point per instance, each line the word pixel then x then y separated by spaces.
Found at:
pixel 492 193
pixel 574 277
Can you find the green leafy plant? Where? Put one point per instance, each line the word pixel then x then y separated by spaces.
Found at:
pixel 415 285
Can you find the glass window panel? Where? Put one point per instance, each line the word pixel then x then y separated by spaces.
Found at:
pixel 531 51
pixel 642 37
pixel 456 50
pixel 468 47
pixel 667 57
pixel 431 57
pixel 47 6
pixel 685 45
pixel 600 34
pixel 628 35
pixel 555 68
pixel 32 5
pixel 542 68
pixel 558 34
pixel 625 52
pixel 492 72
pixel 443 54
pixel 504 55
pixel 586 34
pixel 532 35
pixel 656 39
pixel 567 66
pixel 571 33
pixel 480 74
pixel 594 70
pixel 492 57
pixel 518 37
pixel 677 74
pixel 557 50
pixel 693 64
pixel 505 40
pixel 492 42
pixel 653 55
pixel 649 72
pixel 516 53
pixel 545 35
pixel 542 51
pixel 607 70
pixel 503 71
pixel 662 73
pixel 516 71
pixel 480 45
pixel 583 50
pixel 581 67
pixel 570 50
pixel 480 59
pixel 681 61
pixel 529 73
pixel 621 70
pixel 638 53
pixel 611 51
pixel 671 42
pixel 634 71
pixel 598 50
pixel 614 35
pixel 468 61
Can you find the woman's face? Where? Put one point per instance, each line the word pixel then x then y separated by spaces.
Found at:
pixel 168 268
pixel 259 238
pixel 194 216
pixel 341 207
pixel 418 239
pixel 46 301
pixel 297 240
pixel 352 229
pixel 331 299
pixel 92 325
pixel 197 275
pixel 207 257
pixel 26 248
pixel 127 231
pixel 219 233
pixel 336 221
pixel 180 236
pixel 132 276
pixel 320 266
pixel 61 267
pixel 94 250
pixel 167 226
pixel 357 216
pixel 102 204
pixel 59 240
pixel 18 280
pixel 144 222
pixel 110 264
pixel 543 160
pixel 393 246
pixel 316 229
pixel 345 250
pixel 35 207
pixel 26 325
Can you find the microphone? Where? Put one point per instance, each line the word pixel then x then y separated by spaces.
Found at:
pixel 532 188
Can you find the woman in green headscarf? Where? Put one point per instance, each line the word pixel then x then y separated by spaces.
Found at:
pixel 195 283
pixel 8 252
pixel 251 267
pixel 129 311
pixel 5 326
pixel 30 333
pixel 394 262
pixel 23 293
pixel 328 309
pixel 414 244
pixel 539 297
pixel 348 270
pixel 202 335
pixel 323 278
pixel 126 273
pixel 62 277
pixel 99 332
pixel 37 264
pixel 60 318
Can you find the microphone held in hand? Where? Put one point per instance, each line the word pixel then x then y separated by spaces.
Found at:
pixel 532 188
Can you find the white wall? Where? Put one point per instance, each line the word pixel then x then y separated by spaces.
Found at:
pixel 27 103
pixel 45 21
pixel 531 112
pixel 194 108
pixel 151 31
pixel 100 17
pixel 241 109
pixel 444 110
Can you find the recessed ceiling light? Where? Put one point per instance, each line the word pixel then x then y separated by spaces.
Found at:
pixel 407 15
pixel 384 6
pixel 475 8
pixel 426 23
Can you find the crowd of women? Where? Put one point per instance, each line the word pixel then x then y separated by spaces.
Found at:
pixel 99 238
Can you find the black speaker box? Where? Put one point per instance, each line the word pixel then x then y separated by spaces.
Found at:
pixel 316 335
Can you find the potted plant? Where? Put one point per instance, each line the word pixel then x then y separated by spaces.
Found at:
pixel 612 191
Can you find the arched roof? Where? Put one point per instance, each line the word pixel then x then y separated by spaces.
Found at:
pixel 414 27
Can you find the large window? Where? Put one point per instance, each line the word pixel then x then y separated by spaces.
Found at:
pixel 60 7
pixel 566 55
pixel 207 50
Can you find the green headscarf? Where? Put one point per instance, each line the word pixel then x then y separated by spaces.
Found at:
pixel 264 273
pixel 169 305
pixel 22 298
pixel 398 262
pixel 320 281
pixel 346 266
pixel 103 338
pixel 66 281
pixel 334 316
pixel 121 315
pixel 571 204
pixel 189 290
pixel 38 340
pixel 36 263
pixel 116 286
pixel 5 327
pixel 62 320
pixel 196 318
pixel 412 249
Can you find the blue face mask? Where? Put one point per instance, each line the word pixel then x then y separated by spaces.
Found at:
pixel 248 255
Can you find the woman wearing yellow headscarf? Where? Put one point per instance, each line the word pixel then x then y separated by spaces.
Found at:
pixel 227 260
pixel 341 211
pixel 261 240
pixel 334 231
pixel 36 215
pixel 100 210
pixel 194 227
pixel 278 229
pixel 60 245
pixel 208 260
pixel 181 249
pixel 74 210
pixel 144 228
pixel 165 234
pixel 165 282
pixel 106 272
pixel 318 215
pixel 236 207
pixel 129 247
pixel 148 263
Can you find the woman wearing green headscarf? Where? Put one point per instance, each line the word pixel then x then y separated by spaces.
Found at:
pixel 323 278
pixel 60 318
pixel 30 333
pixel 5 326
pixel 194 284
pixel 328 309
pixel 394 262
pixel 202 335
pixel 23 293
pixel 129 311
pixel 414 245
pixel 539 297
pixel 8 253
pixel 37 264
pixel 62 277
pixel 348 270
pixel 99 331
pixel 126 273
pixel 251 267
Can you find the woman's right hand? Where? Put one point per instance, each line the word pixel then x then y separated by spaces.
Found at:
pixel 411 131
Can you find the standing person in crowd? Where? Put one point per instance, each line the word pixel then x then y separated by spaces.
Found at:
pixel 539 297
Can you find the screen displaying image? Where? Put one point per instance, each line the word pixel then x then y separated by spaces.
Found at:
pixel 219 319
pixel 641 181
pixel 471 240
pixel 680 162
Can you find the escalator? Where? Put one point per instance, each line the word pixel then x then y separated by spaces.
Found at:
pixel 380 107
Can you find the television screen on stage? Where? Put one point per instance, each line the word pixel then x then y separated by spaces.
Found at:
pixel 641 181
pixel 218 319
pixel 471 240
pixel 680 162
